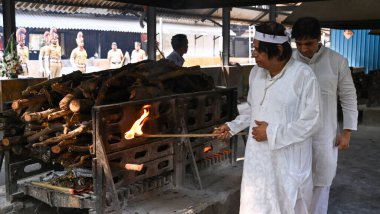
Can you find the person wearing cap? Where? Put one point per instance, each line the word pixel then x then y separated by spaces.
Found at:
pixel 334 77
pixel 78 56
pixel 180 45
pixel 43 57
pixel 54 53
pixel 283 114
pixel 138 54
pixel 115 56
pixel 22 49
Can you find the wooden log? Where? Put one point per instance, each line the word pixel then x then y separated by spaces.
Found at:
pixel 63 145
pixel 28 133
pixel 8 141
pixel 58 114
pixel 62 88
pixel 37 99
pixel 74 148
pixel 50 129
pixel 127 166
pixel 81 161
pixel 81 105
pixel 35 116
pixel 64 103
pixel 72 134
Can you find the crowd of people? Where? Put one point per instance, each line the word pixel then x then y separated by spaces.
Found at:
pixel 50 61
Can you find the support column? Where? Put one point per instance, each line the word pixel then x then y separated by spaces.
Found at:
pixel 226 35
pixel 9 19
pixel 272 12
pixel 151 30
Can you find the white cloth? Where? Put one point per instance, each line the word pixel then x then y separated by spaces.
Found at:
pixel 334 77
pixel 320 201
pixel 138 55
pixel 176 58
pixel 278 171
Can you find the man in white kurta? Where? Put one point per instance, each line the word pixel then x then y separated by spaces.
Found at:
pixel 334 77
pixel 277 169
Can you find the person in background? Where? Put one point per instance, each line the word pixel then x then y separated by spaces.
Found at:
pixel 54 54
pixel 283 115
pixel 22 49
pixel 334 77
pixel 78 57
pixel 180 45
pixel 138 54
pixel 115 56
pixel 43 57
pixel 127 58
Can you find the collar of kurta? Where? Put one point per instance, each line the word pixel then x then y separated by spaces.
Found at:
pixel 279 75
pixel 315 56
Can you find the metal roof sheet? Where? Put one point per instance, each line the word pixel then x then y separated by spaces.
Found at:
pixel 64 21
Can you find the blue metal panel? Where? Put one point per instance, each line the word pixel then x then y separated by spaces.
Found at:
pixel 361 50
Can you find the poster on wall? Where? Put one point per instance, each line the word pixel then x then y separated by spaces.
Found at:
pixel 36 41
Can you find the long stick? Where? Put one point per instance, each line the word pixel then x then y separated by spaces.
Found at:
pixel 57 188
pixel 185 135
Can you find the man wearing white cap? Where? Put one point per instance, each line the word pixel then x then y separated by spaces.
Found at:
pixel 115 56
pixel 283 115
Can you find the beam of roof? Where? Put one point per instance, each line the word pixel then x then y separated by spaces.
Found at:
pixel 192 4
pixel 264 10
pixel 209 14
pixel 342 14
pixel 257 19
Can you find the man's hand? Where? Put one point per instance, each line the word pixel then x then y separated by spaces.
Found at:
pixel 259 132
pixel 343 140
pixel 222 132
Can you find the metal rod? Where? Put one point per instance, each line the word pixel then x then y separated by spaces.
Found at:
pixel 186 135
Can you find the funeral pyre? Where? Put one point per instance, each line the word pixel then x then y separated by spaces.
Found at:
pixel 52 120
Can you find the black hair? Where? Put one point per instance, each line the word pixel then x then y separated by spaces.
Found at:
pixel 306 27
pixel 273 28
pixel 178 41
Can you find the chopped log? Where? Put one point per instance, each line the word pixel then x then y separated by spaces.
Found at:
pixel 81 161
pixel 13 140
pixel 38 99
pixel 63 145
pixel 74 148
pixel 126 166
pixel 28 133
pixel 64 103
pixel 35 116
pixel 50 129
pixel 32 127
pixel 62 88
pixel 76 119
pixel 81 105
pixel 58 114
pixel 72 134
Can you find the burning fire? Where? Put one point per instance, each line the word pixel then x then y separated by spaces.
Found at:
pixel 136 129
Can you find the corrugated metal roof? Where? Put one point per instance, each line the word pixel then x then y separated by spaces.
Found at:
pixel 71 22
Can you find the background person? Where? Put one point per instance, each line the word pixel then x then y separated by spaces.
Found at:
pixel 54 54
pixel 78 56
pixel 43 57
pixel 283 115
pixel 138 54
pixel 22 49
pixel 115 56
pixel 334 77
pixel 180 45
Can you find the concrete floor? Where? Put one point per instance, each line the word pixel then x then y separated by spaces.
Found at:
pixel 356 188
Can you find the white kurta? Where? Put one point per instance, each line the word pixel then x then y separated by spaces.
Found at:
pixel 334 77
pixel 278 171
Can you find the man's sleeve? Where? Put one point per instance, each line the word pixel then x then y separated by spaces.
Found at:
pixel 347 97
pixel 243 120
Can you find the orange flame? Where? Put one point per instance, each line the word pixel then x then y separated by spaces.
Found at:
pixel 137 126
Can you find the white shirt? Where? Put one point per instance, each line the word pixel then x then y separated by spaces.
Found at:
pixel 334 77
pixel 278 170
pixel 176 58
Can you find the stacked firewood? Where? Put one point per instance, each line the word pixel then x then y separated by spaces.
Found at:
pixel 52 120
